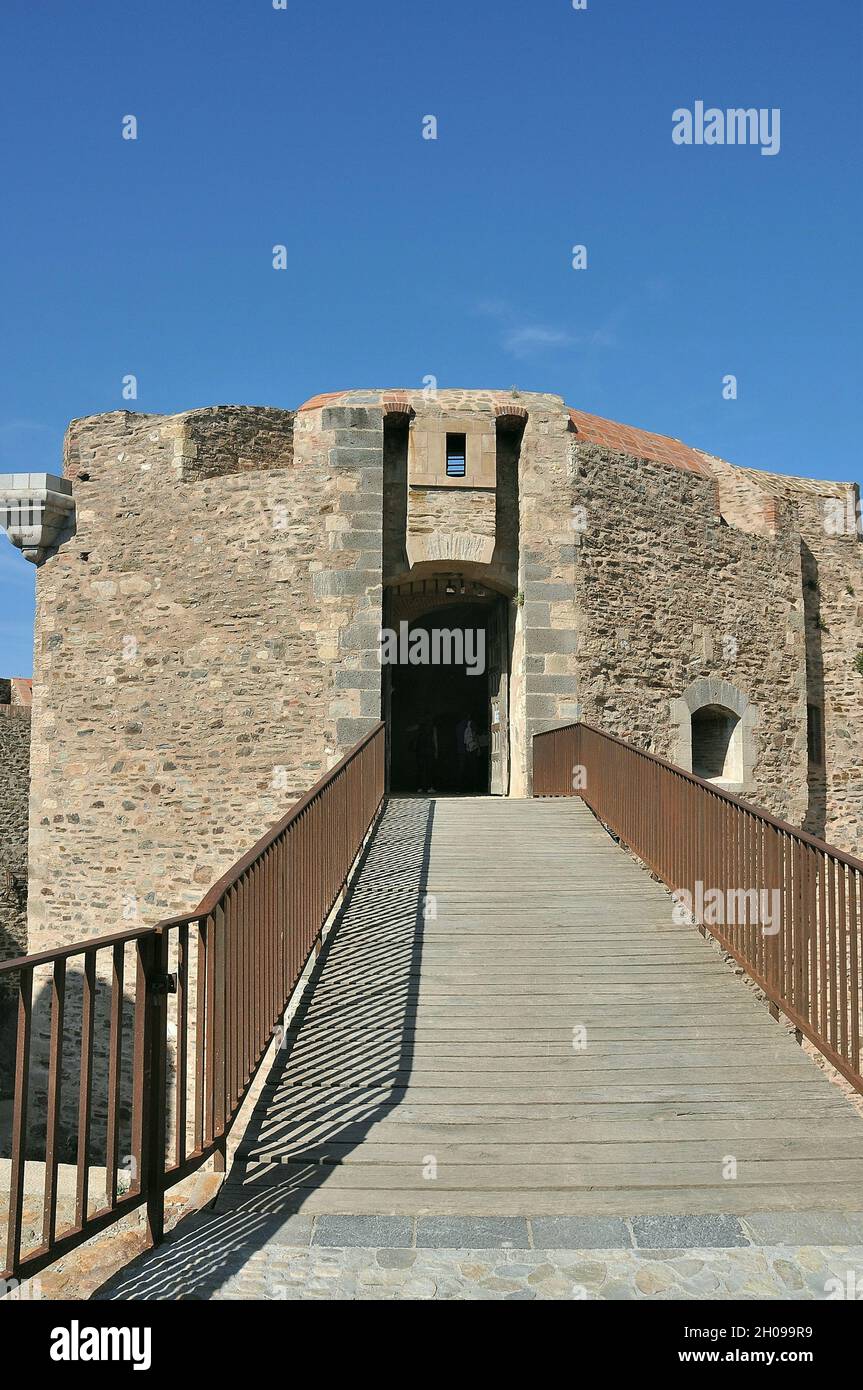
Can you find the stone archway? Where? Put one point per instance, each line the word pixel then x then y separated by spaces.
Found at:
pixel 452 688
pixel 719 712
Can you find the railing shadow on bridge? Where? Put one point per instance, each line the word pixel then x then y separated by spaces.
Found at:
pixel 150 1039
pixel 235 962
pixel 353 1029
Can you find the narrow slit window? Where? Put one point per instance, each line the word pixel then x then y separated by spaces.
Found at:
pixel 815 733
pixel 456 451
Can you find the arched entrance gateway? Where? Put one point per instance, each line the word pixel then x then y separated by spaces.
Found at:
pixel 450 573
pixel 446 664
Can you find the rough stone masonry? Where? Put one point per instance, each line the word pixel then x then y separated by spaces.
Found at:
pixel 14 794
pixel 207 637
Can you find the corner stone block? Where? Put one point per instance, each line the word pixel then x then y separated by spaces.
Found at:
pixel 354 458
pixel 539 707
pixel 554 685
pixel 335 583
pixel 344 417
pixel 357 680
pixel 350 731
pixel 370 703
pixel 548 639
pixel 358 439
pixel 363 637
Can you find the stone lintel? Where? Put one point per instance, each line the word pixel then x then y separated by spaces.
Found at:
pixel 449 545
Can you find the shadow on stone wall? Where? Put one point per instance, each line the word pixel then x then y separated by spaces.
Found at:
pixel 7 1063
pixel 13 937
pixel 13 919
pixel 816 810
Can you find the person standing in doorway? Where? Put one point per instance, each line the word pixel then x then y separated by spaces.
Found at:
pixel 466 748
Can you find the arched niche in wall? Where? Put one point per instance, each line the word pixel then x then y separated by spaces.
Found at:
pixel 713 724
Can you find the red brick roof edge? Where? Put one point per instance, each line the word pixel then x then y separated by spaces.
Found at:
pixel 626 439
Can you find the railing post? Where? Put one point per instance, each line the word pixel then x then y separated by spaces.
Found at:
pixel 154 950
pixel 219 1021
pixel 19 1119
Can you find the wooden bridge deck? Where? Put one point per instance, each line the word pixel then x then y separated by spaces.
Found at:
pixel 432 1067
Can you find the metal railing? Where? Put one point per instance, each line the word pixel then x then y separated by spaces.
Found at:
pixel 785 905
pixel 162 1070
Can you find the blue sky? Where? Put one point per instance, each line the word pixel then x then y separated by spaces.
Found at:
pixel 409 257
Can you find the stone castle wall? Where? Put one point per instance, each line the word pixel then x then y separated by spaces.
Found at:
pixel 833 569
pixel 207 643
pixel 826 517
pixel 451 509
pixel 200 651
pixel 641 580
pixel 670 596
pixel 545 672
pixel 14 788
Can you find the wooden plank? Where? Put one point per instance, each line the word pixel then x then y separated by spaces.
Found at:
pixel 494 1177
pixel 732 1197
pixel 449 1154
pixel 276 1137
pixel 452 1035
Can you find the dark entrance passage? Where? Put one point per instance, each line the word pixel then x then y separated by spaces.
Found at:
pixel 446 717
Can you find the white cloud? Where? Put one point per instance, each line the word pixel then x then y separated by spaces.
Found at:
pixel 529 339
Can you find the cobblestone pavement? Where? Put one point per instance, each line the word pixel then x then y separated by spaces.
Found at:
pixel 754 1273
pixel 297 1259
